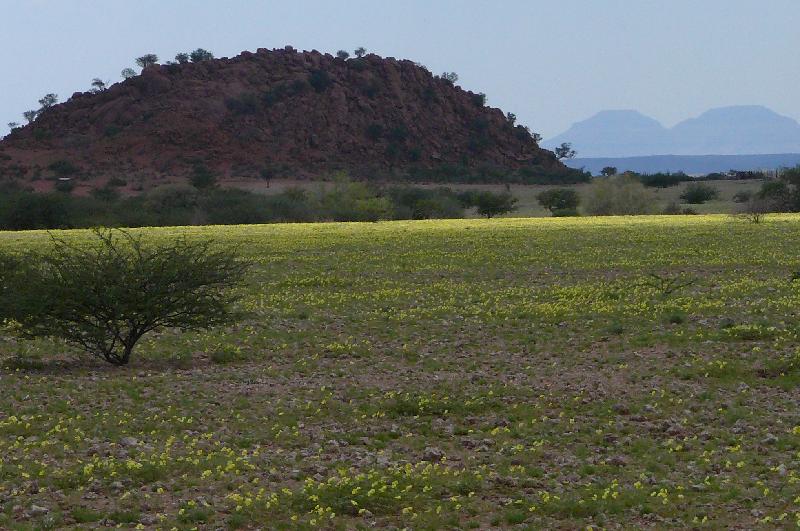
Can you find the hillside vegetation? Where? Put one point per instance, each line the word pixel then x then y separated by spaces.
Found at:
pixel 555 373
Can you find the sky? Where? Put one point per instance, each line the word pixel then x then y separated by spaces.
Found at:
pixel 552 63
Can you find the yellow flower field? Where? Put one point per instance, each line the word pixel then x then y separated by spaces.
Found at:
pixel 564 373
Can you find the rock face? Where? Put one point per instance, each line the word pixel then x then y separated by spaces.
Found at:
pixel 306 112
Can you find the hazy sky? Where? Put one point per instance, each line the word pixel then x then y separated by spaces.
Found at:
pixel 550 62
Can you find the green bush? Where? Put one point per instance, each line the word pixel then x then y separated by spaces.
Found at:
pixel 353 201
pixel 565 212
pixel 488 203
pixel 106 193
pixel 105 296
pixel 63 168
pixel 26 211
pixel 559 199
pixel 293 204
pixel 202 177
pixel 424 203
pixel 699 193
pixel 65 186
pixel 661 180
pixel 618 195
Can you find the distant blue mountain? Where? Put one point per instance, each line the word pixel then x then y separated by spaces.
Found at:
pixel 690 164
pixel 738 130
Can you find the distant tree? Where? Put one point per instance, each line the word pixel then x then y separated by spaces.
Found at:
pixel 30 116
pixel 104 295
pixel 200 55
pixel 699 193
pixel 490 204
pixel 343 54
pixel 13 125
pixel 559 199
pixel 128 73
pixel 620 195
pixel 202 177
pixel 146 60
pixel 360 52
pixel 47 101
pixel 450 77
pixel 564 151
pixel 512 118
pixel 536 137
pixel 479 99
pixel 98 85
pixel 608 171
pixel 182 58
pixel 267 173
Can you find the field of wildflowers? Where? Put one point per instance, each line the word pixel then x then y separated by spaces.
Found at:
pixel 533 373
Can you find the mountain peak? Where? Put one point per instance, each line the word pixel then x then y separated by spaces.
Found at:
pixel 731 130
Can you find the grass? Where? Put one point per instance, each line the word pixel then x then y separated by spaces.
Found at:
pixel 436 374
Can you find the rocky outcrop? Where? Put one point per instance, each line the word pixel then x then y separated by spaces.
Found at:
pixel 306 113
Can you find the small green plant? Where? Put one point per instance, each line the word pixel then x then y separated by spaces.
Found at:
pixel 224 354
pixel 667 285
pixel 676 317
pixel 751 332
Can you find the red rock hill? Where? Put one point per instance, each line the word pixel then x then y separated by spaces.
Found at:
pixel 306 112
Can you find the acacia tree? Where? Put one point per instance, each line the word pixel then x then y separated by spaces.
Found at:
pixel 128 73
pixel 564 151
pixel 47 101
pixel 608 171
pixel 182 58
pixel 360 52
pixel 98 85
pixel 450 77
pixel 200 55
pixel 104 296
pixel 343 54
pixel 148 59
pixel 30 116
pixel 490 204
pixel 559 199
